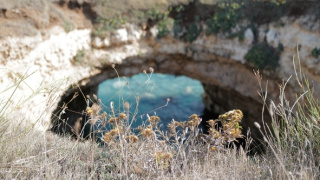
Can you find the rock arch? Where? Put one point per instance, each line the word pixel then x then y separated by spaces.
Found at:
pixel 228 85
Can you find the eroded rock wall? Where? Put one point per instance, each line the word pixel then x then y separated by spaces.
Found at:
pixel 37 70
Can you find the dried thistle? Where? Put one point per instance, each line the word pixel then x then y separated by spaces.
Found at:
pixel 94 109
pixel 132 139
pixel 194 121
pixel 122 116
pixel 108 137
pixel 147 132
pixel 113 120
pixel 103 115
pixel 154 120
pixel 163 158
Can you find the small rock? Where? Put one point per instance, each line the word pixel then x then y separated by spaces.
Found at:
pixel 120 36
pixel 106 42
pixel 248 36
pixel 154 31
pixel 272 38
pixel 97 42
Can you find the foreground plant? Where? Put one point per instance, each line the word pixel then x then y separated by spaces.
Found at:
pixel 293 140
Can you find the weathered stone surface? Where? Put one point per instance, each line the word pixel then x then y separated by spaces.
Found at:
pixel 47 69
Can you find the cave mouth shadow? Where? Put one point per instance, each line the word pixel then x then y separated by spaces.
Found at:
pixel 74 109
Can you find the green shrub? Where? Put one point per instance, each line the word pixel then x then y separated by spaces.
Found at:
pixel 263 56
pixel 107 25
pixel 164 26
pixel 315 52
pixel 165 23
pixel 68 26
pixel 193 31
pixel 79 56
pixel 225 18
pixel 154 14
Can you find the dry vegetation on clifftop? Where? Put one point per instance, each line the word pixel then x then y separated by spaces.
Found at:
pixel 182 153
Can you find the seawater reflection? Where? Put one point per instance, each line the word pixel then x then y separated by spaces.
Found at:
pixel 153 90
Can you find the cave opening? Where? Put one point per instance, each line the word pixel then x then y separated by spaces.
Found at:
pixel 221 91
pixel 167 96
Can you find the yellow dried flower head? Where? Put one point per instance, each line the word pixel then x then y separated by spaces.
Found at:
pixel 172 127
pixel 108 137
pixel 89 111
pixel 234 115
pixel 216 135
pixel 190 124
pixel 228 125
pixel 182 124
pixel 193 123
pixel 236 125
pixel 132 139
pixel 211 130
pixel 178 123
pixel 115 131
pixel 140 128
pixel 147 133
pixel 163 158
pixel 112 120
pixel 236 132
pixel 213 148
pixel 193 117
pixel 211 122
pixel 103 115
pixel 223 117
pixel 122 116
pixel 154 119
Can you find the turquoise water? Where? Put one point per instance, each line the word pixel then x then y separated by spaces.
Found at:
pixel 153 91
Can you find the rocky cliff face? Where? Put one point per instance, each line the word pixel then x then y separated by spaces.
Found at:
pixel 49 64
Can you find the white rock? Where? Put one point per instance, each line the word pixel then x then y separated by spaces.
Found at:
pixel 97 42
pixel 248 36
pixel 120 36
pixel 134 32
pixel 273 38
pixel 154 31
pixel 106 42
